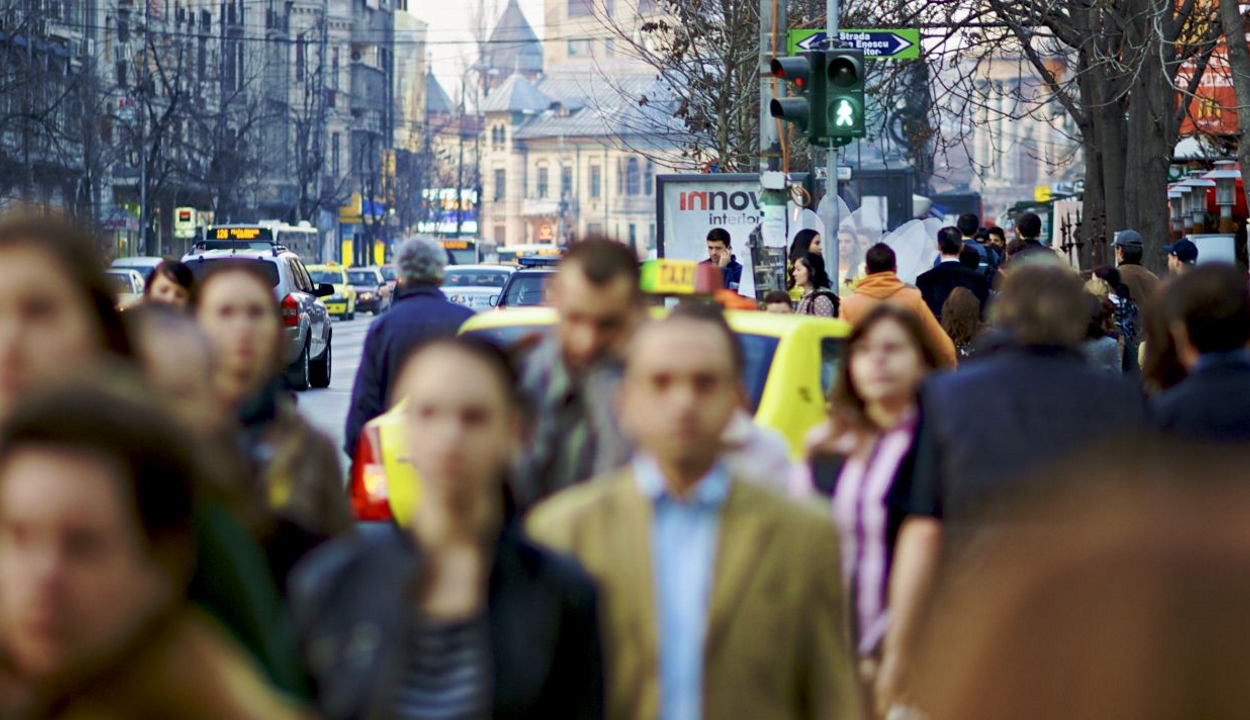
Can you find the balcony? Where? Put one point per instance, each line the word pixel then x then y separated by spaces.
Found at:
pixel 546 207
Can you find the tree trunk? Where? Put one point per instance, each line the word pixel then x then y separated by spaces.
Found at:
pixel 1239 65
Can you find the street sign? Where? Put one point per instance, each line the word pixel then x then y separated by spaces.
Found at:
pixel 877 43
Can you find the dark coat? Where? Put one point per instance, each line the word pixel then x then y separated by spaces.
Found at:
pixel 418 315
pixel 731 274
pixel 937 285
pixel 353 603
pixel 1210 404
pixel 998 421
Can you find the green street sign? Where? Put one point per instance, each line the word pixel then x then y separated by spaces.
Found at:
pixel 876 44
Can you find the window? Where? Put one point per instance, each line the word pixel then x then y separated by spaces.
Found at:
pixel 648 179
pixel 620 177
pixel 335 157
pixel 609 46
pixel 633 235
pixel 596 181
pixel 201 59
pixel 300 59
pixel 594 229
pixel 123 26
pixel 334 68
pixel 542 188
pixel 566 181
pixel 501 179
pixel 580 8
pixel 121 74
pixel 633 177
pixel 579 47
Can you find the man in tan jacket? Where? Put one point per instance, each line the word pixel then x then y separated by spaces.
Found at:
pixel 882 284
pixel 718 598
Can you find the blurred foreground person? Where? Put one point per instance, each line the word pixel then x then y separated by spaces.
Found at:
pixel 720 599
pixel 420 313
pixel 171 283
pixel 570 378
pixel 296 467
pixel 96 551
pixel 961 319
pixel 1211 304
pixel 1044 402
pixel 1161 366
pixel 863 457
pixel 1121 596
pixel 882 285
pixel 58 318
pixel 458 616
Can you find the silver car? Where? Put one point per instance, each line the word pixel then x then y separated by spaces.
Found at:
pixel 476 286
pixel 305 320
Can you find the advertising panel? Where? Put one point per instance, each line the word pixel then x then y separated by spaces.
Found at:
pixel 689 206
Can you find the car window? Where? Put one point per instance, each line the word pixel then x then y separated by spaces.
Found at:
pixel 362 277
pixel 476 277
pixel 757 355
pixel 526 290
pixel 506 337
pixel 122 282
pixel 299 276
pixel 333 277
pixel 200 267
pixel 390 274
pixel 830 359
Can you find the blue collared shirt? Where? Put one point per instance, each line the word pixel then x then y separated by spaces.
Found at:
pixel 684 538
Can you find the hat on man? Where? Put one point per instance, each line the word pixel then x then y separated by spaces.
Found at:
pixel 1184 250
pixel 1130 239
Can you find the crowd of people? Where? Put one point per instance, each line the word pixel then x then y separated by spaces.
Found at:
pixel 602 531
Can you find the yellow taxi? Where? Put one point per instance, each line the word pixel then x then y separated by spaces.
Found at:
pixel 342 303
pixel 790 365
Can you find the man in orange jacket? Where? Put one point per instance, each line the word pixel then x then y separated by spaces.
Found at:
pixel 883 285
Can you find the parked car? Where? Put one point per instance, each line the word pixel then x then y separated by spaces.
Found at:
pixel 128 284
pixel 476 286
pixel 342 302
pixel 143 265
pixel 305 319
pixel 373 293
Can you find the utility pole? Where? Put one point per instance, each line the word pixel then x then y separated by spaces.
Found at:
pixel 141 110
pixel 833 238
pixel 772 42
pixel 460 166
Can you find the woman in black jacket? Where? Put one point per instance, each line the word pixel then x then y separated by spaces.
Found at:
pixel 459 615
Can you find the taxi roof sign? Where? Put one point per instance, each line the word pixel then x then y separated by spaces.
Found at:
pixel 680 277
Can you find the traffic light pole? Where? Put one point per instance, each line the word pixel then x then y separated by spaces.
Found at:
pixel 833 239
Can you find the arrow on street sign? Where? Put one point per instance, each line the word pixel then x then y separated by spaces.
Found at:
pixel 876 43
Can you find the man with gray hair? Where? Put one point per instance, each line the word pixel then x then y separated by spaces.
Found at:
pixel 420 313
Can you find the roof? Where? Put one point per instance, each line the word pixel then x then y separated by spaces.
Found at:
pixel 513 46
pixel 436 100
pixel 590 106
pixel 516 95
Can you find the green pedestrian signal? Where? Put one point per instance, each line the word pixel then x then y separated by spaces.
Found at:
pixel 844 96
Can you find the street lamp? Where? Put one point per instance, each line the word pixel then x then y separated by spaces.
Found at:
pixel 1176 204
pixel 1225 177
pixel 1199 189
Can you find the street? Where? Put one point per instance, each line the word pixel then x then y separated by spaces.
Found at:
pixel 327 409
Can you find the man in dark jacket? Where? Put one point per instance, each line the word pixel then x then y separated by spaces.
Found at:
pixel 720 255
pixel 420 313
pixel 1213 302
pixel 937 284
pixel 1044 402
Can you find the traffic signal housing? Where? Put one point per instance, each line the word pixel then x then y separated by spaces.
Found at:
pixel 806 105
pixel 844 96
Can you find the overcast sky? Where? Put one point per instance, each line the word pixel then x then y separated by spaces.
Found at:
pixel 450 45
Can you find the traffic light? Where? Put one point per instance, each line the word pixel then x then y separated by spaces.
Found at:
pixel 806 72
pixel 844 98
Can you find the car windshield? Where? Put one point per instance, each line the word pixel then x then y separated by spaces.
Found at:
pixel 389 273
pixel 757 354
pixel 200 267
pixel 483 277
pixel 362 277
pixel 330 277
pixel 527 289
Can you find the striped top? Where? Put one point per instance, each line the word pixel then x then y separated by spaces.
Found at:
pixel 448 672
pixel 862 518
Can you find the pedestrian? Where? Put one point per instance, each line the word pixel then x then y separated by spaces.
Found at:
pixel 96 513
pixel 969 258
pixel 466 618
pixel 937 284
pixel 171 283
pixel 420 313
pixel 1103 346
pixel 720 254
pixel 1161 365
pixel 862 456
pixel 806 242
pixel 961 319
pixel 969 227
pixel 882 284
pixel 1030 248
pixel 1212 305
pixel 295 467
pixel 778 302
pixel 1127 314
pixel 812 280
pixel 997 239
pixel 733 607
pixel 58 313
pixel 1142 283
pixel 1045 403
pixel 1182 256
pixel 570 377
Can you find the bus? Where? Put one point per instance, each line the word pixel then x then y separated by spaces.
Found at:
pixel 463 251
pixel 302 239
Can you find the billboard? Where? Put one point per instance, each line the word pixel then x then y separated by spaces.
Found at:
pixel 444 210
pixel 689 206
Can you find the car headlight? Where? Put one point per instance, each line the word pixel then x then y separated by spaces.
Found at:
pixel 366 296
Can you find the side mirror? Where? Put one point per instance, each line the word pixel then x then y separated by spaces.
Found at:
pixel 494 300
pixel 324 290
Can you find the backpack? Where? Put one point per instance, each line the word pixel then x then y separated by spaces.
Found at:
pixel 837 302
pixel 989 261
pixel 1128 321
